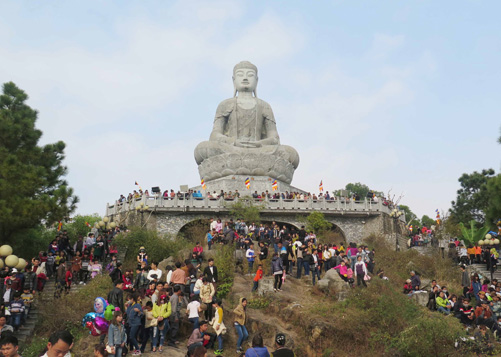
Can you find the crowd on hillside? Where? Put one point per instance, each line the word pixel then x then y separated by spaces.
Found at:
pixel 156 300
pixel 62 264
pixel 478 306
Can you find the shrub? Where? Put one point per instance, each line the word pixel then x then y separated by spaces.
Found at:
pixel 157 246
pixel 225 262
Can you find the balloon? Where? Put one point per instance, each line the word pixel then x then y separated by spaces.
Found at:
pixel 5 250
pixel 21 264
pixel 92 329
pixel 90 317
pixel 1 264
pixel 101 323
pixel 481 242
pixel 108 313
pixel 496 241
pixel 99 306
pixel 488 236
pixel 11 261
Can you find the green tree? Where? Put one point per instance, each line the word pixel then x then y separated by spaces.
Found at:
pixel 316 222
pixel 493 213
pixel 410 217
pixel 427 221
pixel 472 198
pixel 358 188
pixel 78 227
pixel 247 209
pixel 32 188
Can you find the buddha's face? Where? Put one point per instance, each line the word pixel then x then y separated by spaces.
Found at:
pixel 245 80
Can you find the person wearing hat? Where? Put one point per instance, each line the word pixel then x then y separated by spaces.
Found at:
pixel 142 256
pixel 281 350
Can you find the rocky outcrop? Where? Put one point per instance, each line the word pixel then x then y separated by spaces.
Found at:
pixel 333 282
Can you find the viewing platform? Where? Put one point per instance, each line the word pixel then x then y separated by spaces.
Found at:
pixel 199 204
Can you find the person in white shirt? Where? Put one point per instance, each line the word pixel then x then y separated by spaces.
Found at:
pixel 198 285
pixel 213 224
pixel 154 270
pixel 326 255
pixel 90 241
pixel 168 277
pixel 193 309
pixel 250 257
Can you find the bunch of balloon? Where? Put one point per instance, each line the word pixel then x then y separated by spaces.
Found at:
pixel 98 321
pixel 10 260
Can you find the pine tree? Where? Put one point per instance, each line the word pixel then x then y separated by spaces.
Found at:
pixel 32 188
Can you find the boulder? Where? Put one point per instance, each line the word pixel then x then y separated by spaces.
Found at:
pixel 332 280
pixel 420 297
pixel 163 264
pixel 265 285
pixel 425 283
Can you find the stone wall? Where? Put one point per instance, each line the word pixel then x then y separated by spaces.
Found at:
pixel 354 229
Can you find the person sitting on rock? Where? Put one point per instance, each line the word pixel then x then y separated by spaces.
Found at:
pixel 407 287
pixel 415 280
pixel 342 270
pixel 432 298
pixel 443 304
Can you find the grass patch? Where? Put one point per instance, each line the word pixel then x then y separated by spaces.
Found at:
pixel 380 319
pixel 66 314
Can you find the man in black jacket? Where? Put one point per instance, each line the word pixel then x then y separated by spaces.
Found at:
pixel 211 272
pixel 117 274
pixel 116 296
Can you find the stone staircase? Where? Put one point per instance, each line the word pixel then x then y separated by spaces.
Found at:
pixel 482 270
pixel 25 333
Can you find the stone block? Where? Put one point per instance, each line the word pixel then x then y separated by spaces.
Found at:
pixel 266 285
pixel 420 297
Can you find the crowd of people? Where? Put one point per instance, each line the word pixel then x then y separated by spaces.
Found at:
pixel 158 300
pixel 478 307
pixel 269 195
pixel 63 264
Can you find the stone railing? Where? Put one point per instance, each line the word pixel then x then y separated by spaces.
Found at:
pixel 199 203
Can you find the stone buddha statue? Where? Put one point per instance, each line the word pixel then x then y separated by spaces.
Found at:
pixel 244 139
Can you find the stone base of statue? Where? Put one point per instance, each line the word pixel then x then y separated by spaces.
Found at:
pixel 251 162
pixel 237 182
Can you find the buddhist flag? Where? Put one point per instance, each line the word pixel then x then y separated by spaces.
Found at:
pixel 59 226
pixel 135 183
pixel 321 187
pixel 88 224
pixel 203 184
pixel 274 185
pixel 247 183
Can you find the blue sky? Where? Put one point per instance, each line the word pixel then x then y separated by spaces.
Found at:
pixel 400 96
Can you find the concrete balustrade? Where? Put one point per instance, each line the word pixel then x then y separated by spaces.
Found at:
pixel 269 204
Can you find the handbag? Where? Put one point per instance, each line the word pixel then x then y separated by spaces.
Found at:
pixel 367 277
pixel 154 322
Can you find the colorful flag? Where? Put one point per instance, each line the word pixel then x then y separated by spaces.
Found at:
pixel 274 185
pixel 59 226
pixel 203 184
pixel 247 183
pixel 321 186
pixel 88 224
pixel 135 183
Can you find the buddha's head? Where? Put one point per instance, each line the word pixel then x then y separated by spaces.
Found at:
pixel 245 77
